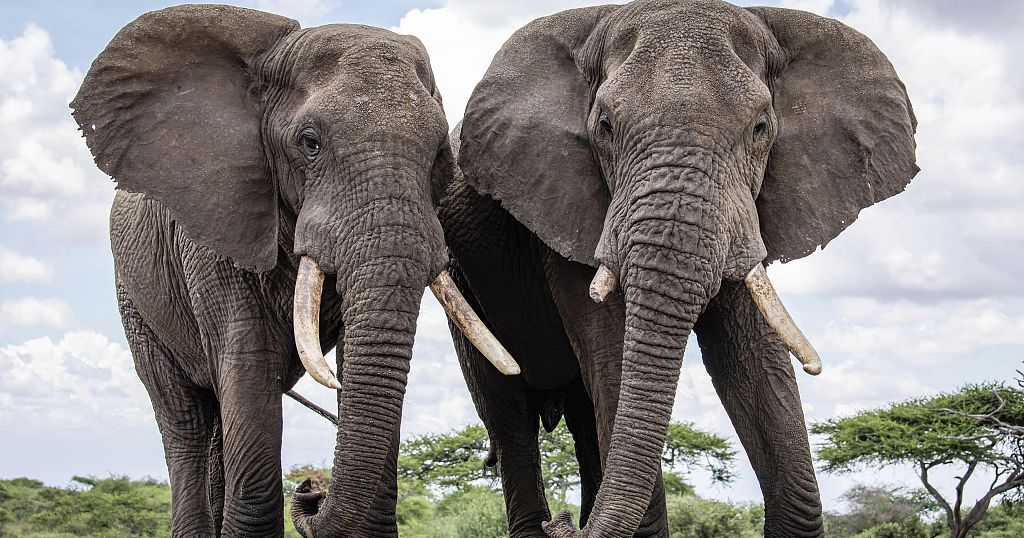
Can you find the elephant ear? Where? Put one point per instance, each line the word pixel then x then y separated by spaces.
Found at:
pixel 167 112
pixel 524 134
pixel 846 133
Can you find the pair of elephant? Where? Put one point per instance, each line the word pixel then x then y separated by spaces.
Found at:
pixel 620 174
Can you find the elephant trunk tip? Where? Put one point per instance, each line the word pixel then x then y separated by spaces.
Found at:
pixel 305 504
pixel 561 526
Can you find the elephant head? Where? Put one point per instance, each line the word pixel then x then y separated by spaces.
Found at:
pixel 677 145
pixel 270 144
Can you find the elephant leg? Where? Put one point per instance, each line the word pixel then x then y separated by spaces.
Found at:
pixel 250 402
pixel 596 333
pixel 502 404
pixel 579 418
pixel 185 416
pixel 215 484
pixel 752 374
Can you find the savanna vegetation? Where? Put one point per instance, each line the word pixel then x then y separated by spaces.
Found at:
pixel 446 490
pixel 978 428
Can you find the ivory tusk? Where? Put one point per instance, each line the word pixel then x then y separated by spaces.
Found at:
pixel 604 282
pixel 309 286
pixel 775 313
pixel 472 326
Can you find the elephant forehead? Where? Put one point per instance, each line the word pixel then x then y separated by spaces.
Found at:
pixel 355 53
pixel 689 58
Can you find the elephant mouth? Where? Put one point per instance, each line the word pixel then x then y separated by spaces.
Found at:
pixel 768 303
pixel 306 318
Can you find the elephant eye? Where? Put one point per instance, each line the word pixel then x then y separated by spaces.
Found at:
pixel 761 127
pixel 309 143
pixel 604 124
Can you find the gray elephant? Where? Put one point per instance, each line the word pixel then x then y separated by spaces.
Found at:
pixel 253 157
pixel 652 157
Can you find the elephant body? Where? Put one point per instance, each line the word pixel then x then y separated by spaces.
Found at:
pixel 213 345
pixel 277 197
pixel 570 351
pixel 626 171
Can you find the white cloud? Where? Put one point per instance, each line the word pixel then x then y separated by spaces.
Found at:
pixel 81 379
pixel 462 37
pixel 47 176
pixel 696 399
pixel 18 268
pixel 307 12
pixel 920 334
pixel 35 312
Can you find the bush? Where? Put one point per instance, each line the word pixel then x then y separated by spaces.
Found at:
pixel 912 527
pixel 880 511
pixel 474 511
pixel 690 516
pixel 1003 521
pixel 109 507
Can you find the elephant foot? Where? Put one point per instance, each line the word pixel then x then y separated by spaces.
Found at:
pixel 305 504
pixel 561 527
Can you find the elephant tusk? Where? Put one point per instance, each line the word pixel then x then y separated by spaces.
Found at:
pixel 781 322
pixel 309 285
pixel 472 326
pixel 604 282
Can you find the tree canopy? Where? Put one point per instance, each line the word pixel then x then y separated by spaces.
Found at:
pixel 455 460
pixel 977 427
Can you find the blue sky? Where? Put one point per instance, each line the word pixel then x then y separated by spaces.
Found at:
pixel 922 294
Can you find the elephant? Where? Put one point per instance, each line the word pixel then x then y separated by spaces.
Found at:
pixel 276 196
pixel 625 173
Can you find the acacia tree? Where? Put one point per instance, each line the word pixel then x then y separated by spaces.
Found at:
pixel 978 427
pixel 455 460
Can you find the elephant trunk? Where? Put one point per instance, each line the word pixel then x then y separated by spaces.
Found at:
pixel 670 263
pixel 379 326
pixel 308 292
pixel 661 309
pixel 384 245
pixel 669 270
pixel 385 248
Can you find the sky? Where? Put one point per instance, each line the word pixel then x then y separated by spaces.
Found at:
pixel 921 295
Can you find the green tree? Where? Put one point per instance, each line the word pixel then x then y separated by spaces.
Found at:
pixel 560 469
pixel 450 461
pixel 686 448
pixel 979 426
pixel 454 460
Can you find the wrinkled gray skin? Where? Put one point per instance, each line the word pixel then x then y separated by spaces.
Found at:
pixel 241 142
pixel 679 143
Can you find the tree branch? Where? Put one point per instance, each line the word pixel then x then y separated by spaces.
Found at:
pixel 1014 480
pixel 971 466
pixel 314 407
pixel 935 493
